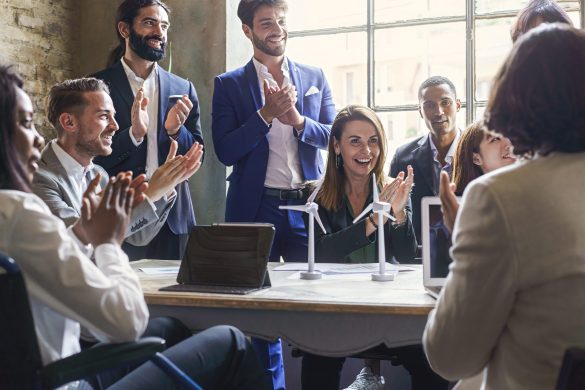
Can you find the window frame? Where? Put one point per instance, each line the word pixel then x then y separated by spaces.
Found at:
pixel 471 103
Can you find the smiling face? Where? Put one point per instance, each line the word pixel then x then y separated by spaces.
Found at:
pixel 27 141
pixel 359 146
pixel 495 152
pixel 438 108
pixel 147 36
pixel 269 32
pixel 95 125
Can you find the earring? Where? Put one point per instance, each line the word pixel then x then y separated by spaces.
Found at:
pixel 338 161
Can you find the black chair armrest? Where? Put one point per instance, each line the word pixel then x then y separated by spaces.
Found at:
pixel 100 358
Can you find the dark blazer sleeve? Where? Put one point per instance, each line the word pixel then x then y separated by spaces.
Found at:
pixel 190 131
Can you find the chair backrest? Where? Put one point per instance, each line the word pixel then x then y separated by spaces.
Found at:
pixel 572 374
pixel 20 359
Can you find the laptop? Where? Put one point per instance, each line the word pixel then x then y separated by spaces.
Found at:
pixel 226 258
pixel 436 242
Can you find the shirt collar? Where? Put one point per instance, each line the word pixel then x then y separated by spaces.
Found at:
pixel 132 76
pixel 450 152
pixel 263 73
pixel 72 167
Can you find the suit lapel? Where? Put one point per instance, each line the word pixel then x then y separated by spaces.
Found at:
pixel 296 80
pixel 53 165
pixel 423 159
pixel 121 85
pixel 253 84
pixel 164 86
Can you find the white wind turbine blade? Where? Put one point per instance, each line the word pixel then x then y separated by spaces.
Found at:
pixel 314 193
pixel 315 215
pixel 389 217
pixel 375 189
pixel 302 208
pixel 366 210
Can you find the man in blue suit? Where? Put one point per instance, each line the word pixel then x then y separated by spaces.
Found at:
pixel 270 118
pixel 172 105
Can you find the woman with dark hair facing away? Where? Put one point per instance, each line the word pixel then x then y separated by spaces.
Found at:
pixel 357 150
pixel 68 289
pixel 537 12
pixel 514 300
pixel 479 151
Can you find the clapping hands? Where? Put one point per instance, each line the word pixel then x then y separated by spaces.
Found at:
pixel 105 216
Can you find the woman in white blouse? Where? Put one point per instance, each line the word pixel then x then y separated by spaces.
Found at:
pixel 67 288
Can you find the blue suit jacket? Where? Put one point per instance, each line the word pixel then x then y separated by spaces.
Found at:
pixel 128 157
pixel 239 134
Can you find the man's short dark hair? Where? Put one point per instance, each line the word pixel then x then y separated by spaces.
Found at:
pixel 433 81
pixel 247 9
pixel 538 95
pixel 546 10
pixel 69 95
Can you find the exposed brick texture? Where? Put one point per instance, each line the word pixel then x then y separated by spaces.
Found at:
pixel 40 38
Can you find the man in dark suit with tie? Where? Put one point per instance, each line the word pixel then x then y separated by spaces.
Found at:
pixel 271 117
pixel 433 152
pixel 173 110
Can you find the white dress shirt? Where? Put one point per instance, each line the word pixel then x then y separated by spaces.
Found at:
pixel 284 168
pixel 150 86
pixel 65 287
pixel 74 169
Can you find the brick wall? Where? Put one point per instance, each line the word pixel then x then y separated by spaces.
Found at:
pixel 40 37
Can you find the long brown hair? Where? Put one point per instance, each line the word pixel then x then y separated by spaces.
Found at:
pixel 331 192
pixel 464 170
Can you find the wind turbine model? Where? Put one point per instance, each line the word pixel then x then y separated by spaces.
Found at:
pixel 382 210
pixel 310 208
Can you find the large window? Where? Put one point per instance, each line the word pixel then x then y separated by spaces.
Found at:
pixel 377 52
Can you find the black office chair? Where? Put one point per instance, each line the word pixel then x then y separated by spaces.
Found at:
pixel 20 360
pixel 572 374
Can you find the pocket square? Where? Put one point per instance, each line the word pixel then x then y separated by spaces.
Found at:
pixel 313 90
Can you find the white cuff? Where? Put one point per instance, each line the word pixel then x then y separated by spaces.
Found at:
pixel 263 120
pixel 86 249
pixel 134 141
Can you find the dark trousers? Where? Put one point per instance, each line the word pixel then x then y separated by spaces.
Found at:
pixel 170 329
pixel 217 358
pixel 165 246
pixel 324 373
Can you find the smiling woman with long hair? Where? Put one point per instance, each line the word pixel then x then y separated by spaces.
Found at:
pixel 357 150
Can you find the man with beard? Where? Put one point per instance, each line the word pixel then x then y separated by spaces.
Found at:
pixel 142 27
pixel 433 152
pixel 270 118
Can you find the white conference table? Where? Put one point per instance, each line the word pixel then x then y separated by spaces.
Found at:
pixel 334 316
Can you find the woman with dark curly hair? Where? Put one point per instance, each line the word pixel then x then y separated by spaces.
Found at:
pixel 514 300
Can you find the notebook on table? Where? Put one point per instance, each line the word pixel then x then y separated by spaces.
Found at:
pixel 436 242
pixel 226 258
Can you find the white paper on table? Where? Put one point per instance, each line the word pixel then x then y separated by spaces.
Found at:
pixel 160 270
pixel 335 269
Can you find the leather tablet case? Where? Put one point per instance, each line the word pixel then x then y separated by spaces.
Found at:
pixel 226 258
